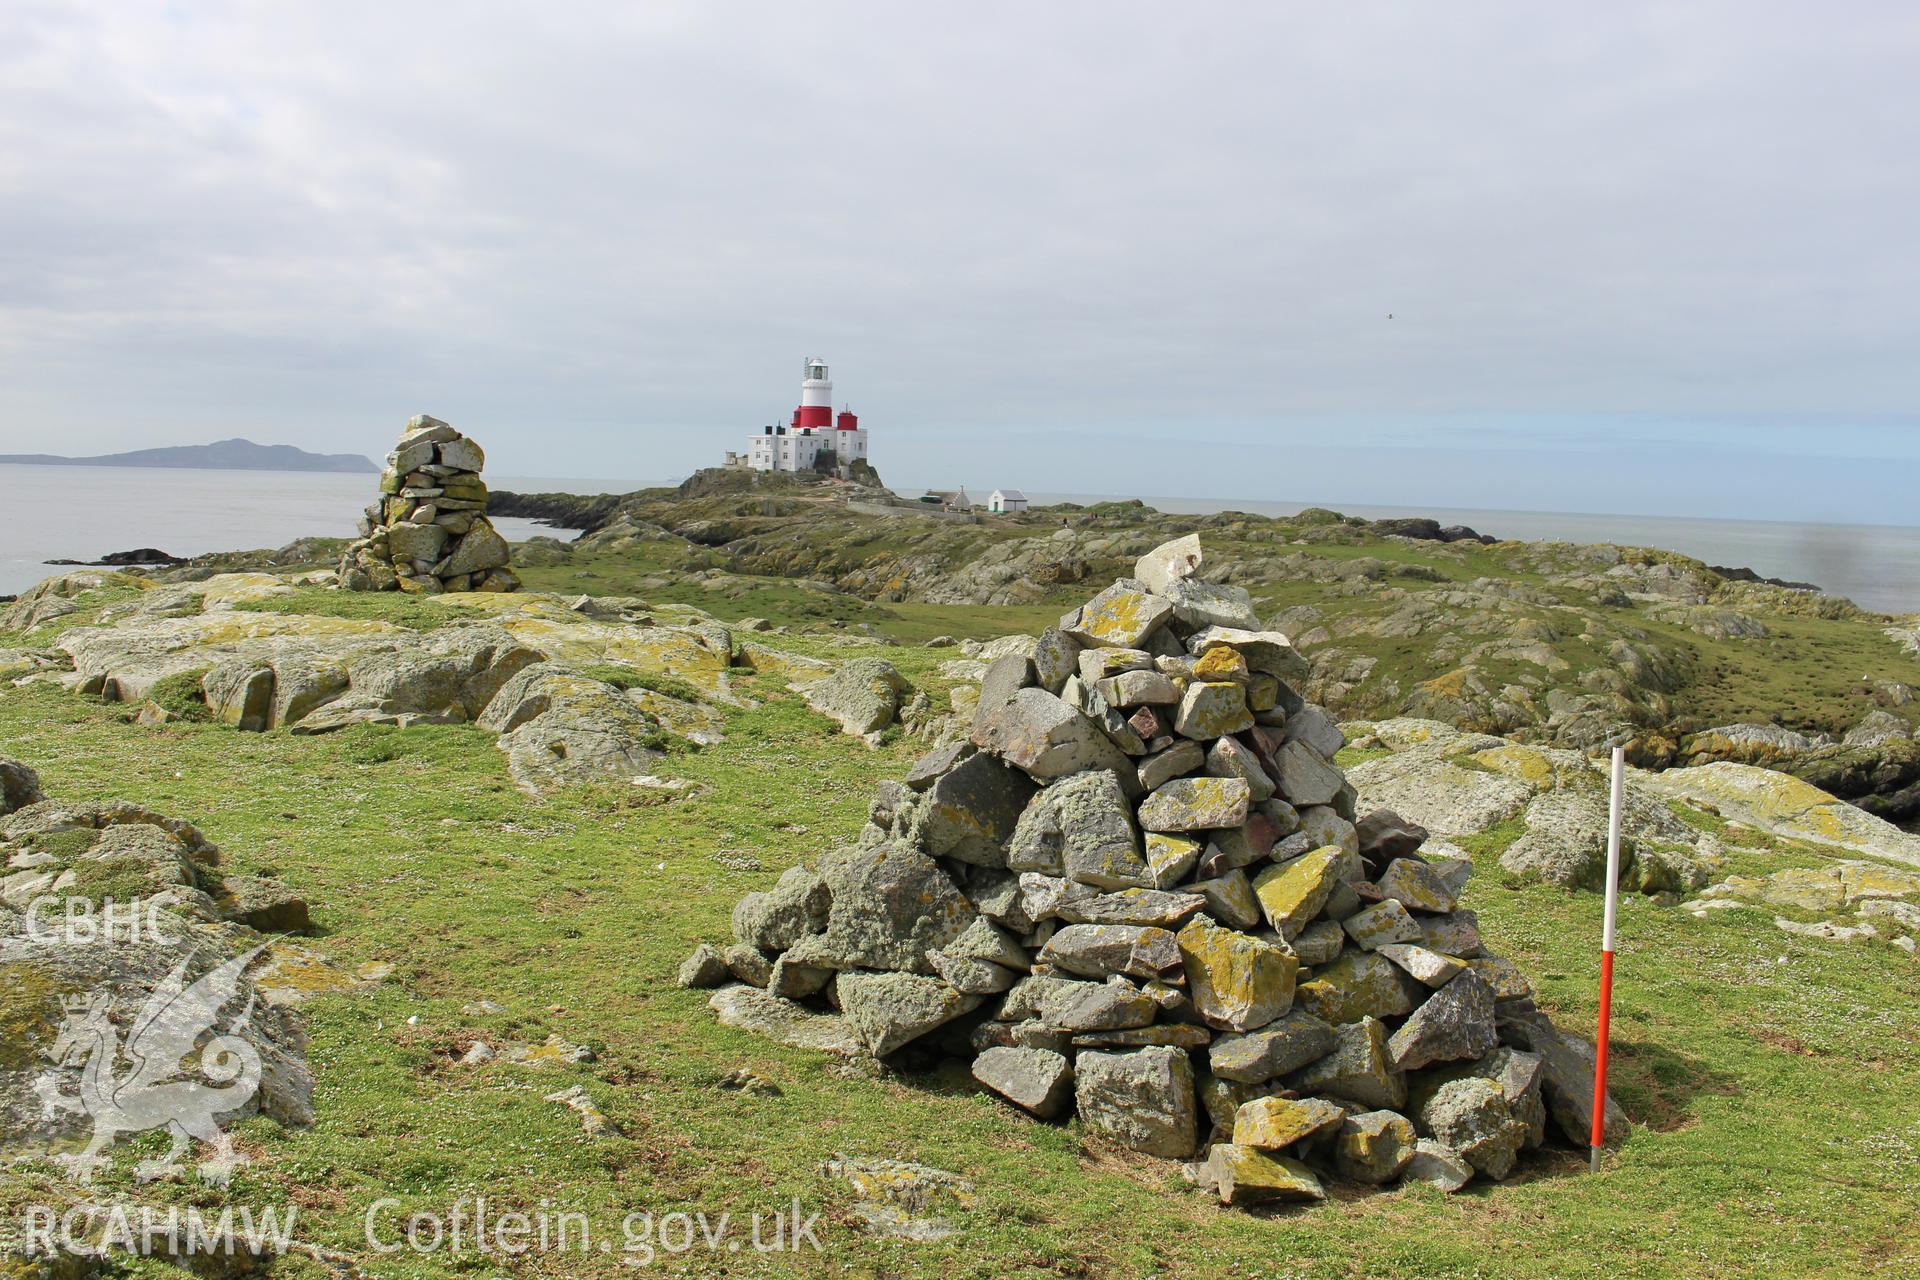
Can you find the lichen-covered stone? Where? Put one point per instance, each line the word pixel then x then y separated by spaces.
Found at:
pixel 1212 709
pixel 1455 1022
pixel 1170 562
pixel 1239 982
pixel 1230 758
pixel 704 967
pixel 1357 1069
pixel 1081 827
pixel 1265 651
pixel 1380 924
pixel 1428 967
pixel 1077 1005
pixel 1138 689
pixel 969 976
pixel 1095 665
pixel 1221 663
pixel 1229 899
pixel 1374 1147
pixel 1275 1123
pixel 1196 804
pixel 1036 1080
pixel 892 904
pixel 1416 886
pixel 1304 776
pixel 1439 1166
pixel 1037 732
pixel 1162 910
pixel 1283 1045
pixel 1245 1175
pixel 863 696
pixel 1096 950
pixel 1457 934
pixel 1293 892
pixel 1359 984
pixel 1170 857
pixel 1319 943
pixel 1183 757
pixel 888 1010
pixel 1120 617
pixel 972 810
pixel 1056 656
pixel 1143 1099
pixel 1474 1118
pixel 795 907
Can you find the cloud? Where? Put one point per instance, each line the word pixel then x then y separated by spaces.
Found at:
pixel 601 238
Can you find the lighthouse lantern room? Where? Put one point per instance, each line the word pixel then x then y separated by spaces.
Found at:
pixel 813 431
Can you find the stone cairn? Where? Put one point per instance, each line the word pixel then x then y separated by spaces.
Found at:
pixel 428 531
pixel 1138 891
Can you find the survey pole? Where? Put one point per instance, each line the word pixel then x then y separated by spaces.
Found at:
pixel 1616 806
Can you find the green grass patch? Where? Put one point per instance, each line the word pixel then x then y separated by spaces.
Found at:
pixel 181 695
pixel 1487 846
pixel 1775 1080
pixel 629 678
pixel 398 608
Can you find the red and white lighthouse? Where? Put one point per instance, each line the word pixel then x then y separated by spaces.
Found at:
pixel 814 431
pixel 816 397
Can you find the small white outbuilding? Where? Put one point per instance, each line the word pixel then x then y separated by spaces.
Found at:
pixel 1007 502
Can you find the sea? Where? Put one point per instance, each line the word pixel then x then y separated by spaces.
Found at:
pixel 82 513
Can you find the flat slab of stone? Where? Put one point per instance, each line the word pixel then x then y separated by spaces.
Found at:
pixel 1120 617
pixel 750 1009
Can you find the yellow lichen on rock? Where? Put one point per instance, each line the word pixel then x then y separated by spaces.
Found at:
pixel 1292 893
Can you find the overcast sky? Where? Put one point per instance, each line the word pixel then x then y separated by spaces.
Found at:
pixel 1650 257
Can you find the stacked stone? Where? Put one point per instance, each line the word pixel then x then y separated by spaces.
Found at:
pixel 1139 892
pixel 428 531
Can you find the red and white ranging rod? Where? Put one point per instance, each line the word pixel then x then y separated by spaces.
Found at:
pixel 1615 807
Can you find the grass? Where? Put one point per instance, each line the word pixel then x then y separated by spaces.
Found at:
pixel 417 613
pixel 180 694
pixel 630 678
pixel 1776 1079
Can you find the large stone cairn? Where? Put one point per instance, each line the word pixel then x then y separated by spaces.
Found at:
pixel 428 531
pixel 1138 891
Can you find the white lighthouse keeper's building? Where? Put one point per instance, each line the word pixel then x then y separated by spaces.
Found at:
pixel 814 429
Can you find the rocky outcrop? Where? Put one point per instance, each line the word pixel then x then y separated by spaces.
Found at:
pixel 1184 937
pixel 1783 805
pixel 75 978
pixel 510 663
pixel 428 530
pixel 1458 784
pixel 1878 902
pixel 864 696
pixel 1548 807
pixel 1875 767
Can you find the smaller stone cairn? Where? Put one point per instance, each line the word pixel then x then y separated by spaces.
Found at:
pixel 1140 891
pixel 428 531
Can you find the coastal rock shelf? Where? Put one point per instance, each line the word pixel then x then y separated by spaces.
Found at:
pixel 1139 890
pixel 428 531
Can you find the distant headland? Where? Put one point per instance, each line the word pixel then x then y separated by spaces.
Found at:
pixel 221 455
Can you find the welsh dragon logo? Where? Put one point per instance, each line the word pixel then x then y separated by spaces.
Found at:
pixel 176 1075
